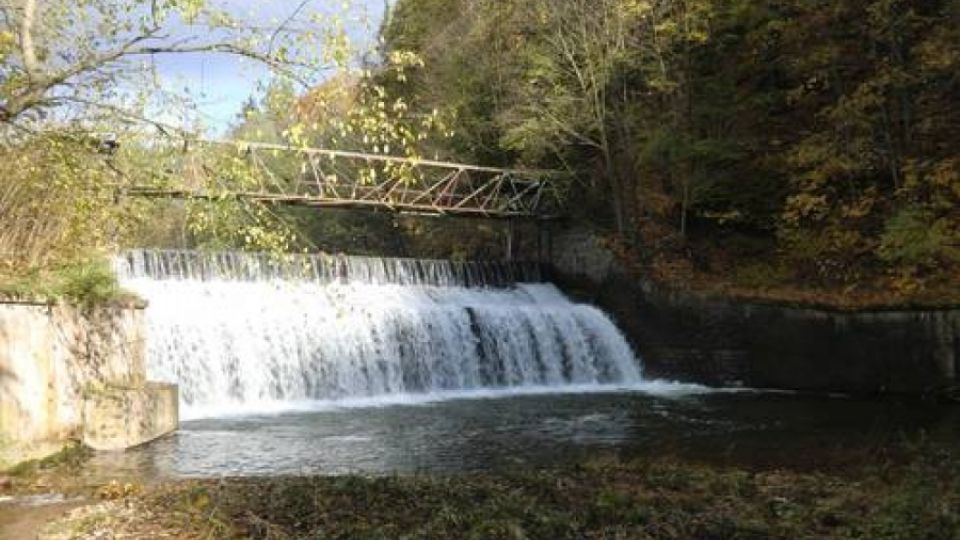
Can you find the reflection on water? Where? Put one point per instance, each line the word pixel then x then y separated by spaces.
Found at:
pixel 745 429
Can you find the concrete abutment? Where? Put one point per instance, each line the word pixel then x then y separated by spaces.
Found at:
pixel 76 374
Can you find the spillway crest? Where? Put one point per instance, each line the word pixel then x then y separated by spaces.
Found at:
pixel 234 328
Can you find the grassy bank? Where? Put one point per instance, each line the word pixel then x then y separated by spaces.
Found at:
pixel 62 464
pixel 85 283
pixel 602 499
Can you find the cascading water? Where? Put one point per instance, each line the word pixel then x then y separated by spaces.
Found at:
pixel 234 329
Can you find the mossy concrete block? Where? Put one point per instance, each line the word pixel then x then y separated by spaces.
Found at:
pixel 116 418
pixel 50 353
pixel 12 455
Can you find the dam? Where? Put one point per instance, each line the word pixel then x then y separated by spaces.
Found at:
pixel 251 332
pixel 333 364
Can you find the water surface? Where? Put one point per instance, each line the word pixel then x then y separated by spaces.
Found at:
pixel 749 429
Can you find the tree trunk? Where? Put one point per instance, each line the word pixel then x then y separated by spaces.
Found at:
pixel 684 206
pixel 27 46
pixel 616 191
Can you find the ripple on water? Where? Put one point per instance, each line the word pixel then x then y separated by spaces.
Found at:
pixel 539 430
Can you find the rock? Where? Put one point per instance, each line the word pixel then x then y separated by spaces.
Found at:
pixel 6 482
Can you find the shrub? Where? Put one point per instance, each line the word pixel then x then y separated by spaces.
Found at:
pixel 918 238
pixel 84 282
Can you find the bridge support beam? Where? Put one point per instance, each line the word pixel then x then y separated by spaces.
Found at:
pixel 511 240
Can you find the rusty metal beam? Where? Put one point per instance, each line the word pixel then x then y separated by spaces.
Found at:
pixel 435 187
pixel 328 202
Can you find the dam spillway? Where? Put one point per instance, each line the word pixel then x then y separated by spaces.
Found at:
pixel 236 329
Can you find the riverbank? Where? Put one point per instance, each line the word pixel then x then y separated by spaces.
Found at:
pixel 604 498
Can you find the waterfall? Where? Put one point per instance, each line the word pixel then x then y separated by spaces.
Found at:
pixel 234 328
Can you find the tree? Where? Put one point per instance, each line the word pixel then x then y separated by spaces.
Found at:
pixel 873 168
pixel 93 57
pixel 570 97
pixel 819 134
pixel 72 71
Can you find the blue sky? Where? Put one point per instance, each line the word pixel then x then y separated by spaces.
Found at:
pixel 222 83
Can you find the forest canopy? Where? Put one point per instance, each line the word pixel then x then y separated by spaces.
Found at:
pixel 795 141
pixel 752 143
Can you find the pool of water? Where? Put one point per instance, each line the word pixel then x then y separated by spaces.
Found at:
pixel 494 432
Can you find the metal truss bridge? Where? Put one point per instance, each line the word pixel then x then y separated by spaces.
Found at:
pixel 321 178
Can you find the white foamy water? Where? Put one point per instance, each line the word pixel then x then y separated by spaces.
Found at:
pixel 242 333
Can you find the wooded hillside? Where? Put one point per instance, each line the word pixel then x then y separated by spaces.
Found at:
pixel 766 143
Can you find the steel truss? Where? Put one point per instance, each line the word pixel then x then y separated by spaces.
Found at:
pixel 340 179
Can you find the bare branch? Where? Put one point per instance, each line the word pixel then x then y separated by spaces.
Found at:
pixel 33 96
pixel 42 79
pixel 283 66
pixel 287 21
pixel 164 128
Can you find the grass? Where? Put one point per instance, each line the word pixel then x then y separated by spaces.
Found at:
pixel 600 499
pixel 71 458
pixel 85 283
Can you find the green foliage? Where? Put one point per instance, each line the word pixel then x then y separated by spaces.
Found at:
pixel 918 508
pixel 97 48
pixel 915 237
pixel 858 179
pixel 73 71
pixel 354 110
pixel 58 202
pixel 366 112
pixel 72 456
pixel 822 127
pixel 85 283
pixel 827 128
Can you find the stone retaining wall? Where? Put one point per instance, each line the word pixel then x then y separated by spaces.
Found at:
pixel 693 337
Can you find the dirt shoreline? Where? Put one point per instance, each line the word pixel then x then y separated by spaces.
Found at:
pixel 24 519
